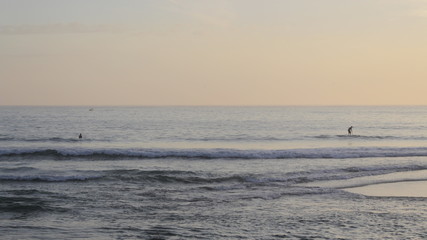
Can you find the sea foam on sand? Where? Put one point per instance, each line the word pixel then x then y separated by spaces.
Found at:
pixel 397 189
pixel 398 184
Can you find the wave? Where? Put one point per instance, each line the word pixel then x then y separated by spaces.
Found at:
pixel 46 178
pixel 49 139
pixel 37 175
pixel 354 137
pixel 185 177
pixel 27 204
pixel 206 179
pixel 157 153
pixel 150 176
pixel 242 138
pixel 369 137
pixel 237 138
pixel 249 138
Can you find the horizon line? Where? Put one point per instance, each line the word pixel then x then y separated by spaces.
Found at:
pixel 184 105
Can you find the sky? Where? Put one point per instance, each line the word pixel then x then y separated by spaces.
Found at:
pixel 213 52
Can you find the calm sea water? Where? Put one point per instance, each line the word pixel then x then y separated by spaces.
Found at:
pixel 209 172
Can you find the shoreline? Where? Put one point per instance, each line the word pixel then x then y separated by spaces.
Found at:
pixel 416 188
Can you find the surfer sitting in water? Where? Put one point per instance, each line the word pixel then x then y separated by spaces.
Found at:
pixel 350 130
pixel 80 136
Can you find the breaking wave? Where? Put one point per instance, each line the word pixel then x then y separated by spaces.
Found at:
pixel 206 179
pixel 156 153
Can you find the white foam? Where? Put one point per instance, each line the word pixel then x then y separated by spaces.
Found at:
pixel 368 179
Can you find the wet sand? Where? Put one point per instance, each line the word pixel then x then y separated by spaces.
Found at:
pixel 397 189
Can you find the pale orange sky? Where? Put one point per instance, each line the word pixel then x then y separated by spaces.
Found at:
pixel 206 52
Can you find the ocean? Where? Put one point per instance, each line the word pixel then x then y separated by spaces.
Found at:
pixel 210 172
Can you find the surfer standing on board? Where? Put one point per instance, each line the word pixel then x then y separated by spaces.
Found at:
pixel 350 130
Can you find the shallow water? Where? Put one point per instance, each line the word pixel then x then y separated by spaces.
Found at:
pixel 396 189
pixel 209 172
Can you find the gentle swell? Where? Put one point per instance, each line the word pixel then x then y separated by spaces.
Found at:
pixel 51 139
pixel 40 175
pixel 238 138
pixel 46 178
pixel 354 137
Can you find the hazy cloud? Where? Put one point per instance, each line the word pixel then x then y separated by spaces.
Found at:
pixel 62 28
pixel 214 13
pixel 419 13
